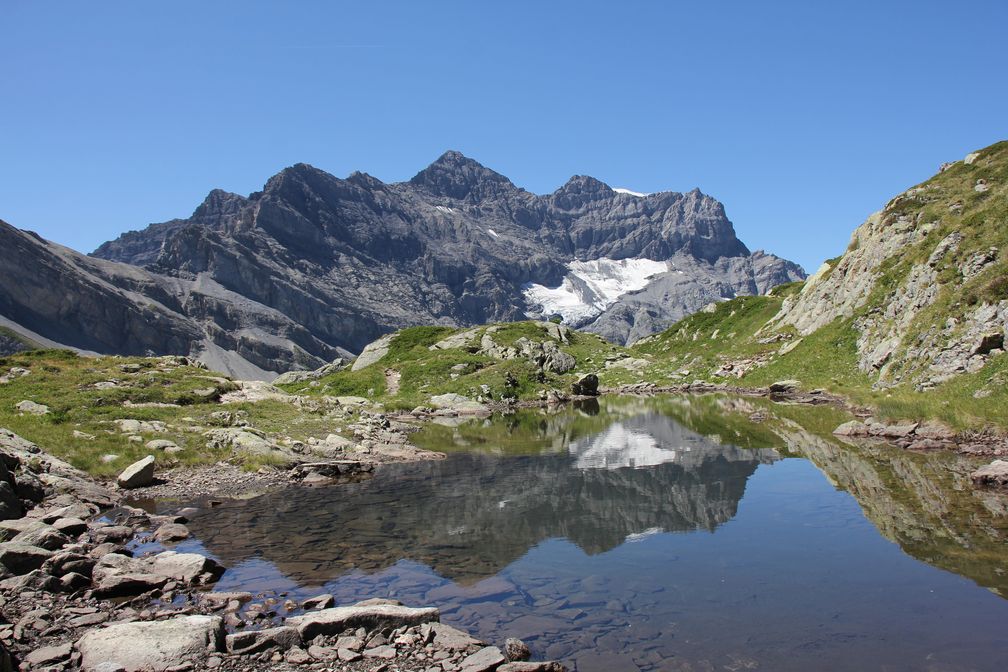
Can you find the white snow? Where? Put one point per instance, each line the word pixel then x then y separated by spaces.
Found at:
pixel 592 286
pixel 619 447
pixel 493 233
pixel 442 208
pixel 638 194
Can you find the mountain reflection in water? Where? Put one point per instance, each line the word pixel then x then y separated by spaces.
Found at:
pixel 577 530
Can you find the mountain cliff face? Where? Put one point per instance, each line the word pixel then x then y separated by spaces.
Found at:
pixel 314 266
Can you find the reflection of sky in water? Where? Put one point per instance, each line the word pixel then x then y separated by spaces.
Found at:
pixel 790 576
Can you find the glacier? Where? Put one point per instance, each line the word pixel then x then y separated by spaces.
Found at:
pixel 590 287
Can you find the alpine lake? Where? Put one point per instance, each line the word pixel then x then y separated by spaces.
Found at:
pixel 665 533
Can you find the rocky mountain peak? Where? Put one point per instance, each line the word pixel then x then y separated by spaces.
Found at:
pixel 457 176
pixel 585 185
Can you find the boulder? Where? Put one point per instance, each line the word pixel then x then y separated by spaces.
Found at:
pixel 446 637
pixel 336 620
pixel 42 535
pixel 172 532
pixel 22 558
pixel 31 407
pixel 72 527
pixel 152 645
pixel 10 503
pixel 515 649
pixel 254 641
pixel 785 387
pixel 586 386
pixel 532 667
pixel 373 352
pixel 138 474
pixel 161 444
pixel 457 402
pixel 49 655
pixel 995 473
pixel 852 428
pixel 486 659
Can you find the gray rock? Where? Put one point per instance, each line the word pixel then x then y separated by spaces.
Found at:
pixel 42 535
pixel 254 641
pixel 486 659
pixel 172 532
pixel 318 602
pixel 516 649
pixel 72 527
pixel 995 473
pixel 457 402
pixel 785 387
pixel 49 655
pixel 446 637
pixel 161 444
pixel 373 352
pixel 586 385
pixel 532 667
pixel 152 645
pixel 22 558
pixel 373 616
pixel 138 474
pixel 31 407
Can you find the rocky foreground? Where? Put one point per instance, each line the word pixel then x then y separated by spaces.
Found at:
pixel 74 596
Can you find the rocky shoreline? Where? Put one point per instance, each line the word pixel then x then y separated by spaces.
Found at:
pixel 79 591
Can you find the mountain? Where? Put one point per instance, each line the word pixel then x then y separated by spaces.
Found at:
pixel 56 297
pixel 918 303
pixel 313 265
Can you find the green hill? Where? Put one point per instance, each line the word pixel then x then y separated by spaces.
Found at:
pixel 910 319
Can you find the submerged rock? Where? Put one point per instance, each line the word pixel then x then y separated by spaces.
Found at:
pixel 371 616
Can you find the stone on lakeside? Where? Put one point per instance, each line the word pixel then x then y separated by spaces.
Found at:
pixel 22 558
pixel 516 650
pixel 152 645
pixel 586 386
pixel 486 659
pixel 138 474
pixel 337 620
pixel 254 641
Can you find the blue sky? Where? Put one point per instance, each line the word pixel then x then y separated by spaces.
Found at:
pixel 802 117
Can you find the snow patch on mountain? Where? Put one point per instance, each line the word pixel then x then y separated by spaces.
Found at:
pixel 590 287
pixel 618 448
pixel 638 194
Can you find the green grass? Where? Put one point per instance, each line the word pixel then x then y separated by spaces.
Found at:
pixel 66 383
pixel 424 373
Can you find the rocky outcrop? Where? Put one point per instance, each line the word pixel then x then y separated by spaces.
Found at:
pixel 920 282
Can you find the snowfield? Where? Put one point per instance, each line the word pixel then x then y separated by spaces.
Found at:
pixel 590 287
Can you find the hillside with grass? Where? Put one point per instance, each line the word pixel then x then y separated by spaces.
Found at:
pixel 911 319
pixel 506 362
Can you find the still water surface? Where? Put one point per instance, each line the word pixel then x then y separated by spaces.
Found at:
pixel 663 534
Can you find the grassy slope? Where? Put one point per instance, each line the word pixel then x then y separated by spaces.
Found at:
pixel 425 373
pixel 828 358
pixel 65 382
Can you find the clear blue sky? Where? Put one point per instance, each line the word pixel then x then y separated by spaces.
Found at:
pixel 802 117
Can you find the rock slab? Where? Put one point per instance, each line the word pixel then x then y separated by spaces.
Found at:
pixel 152 645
